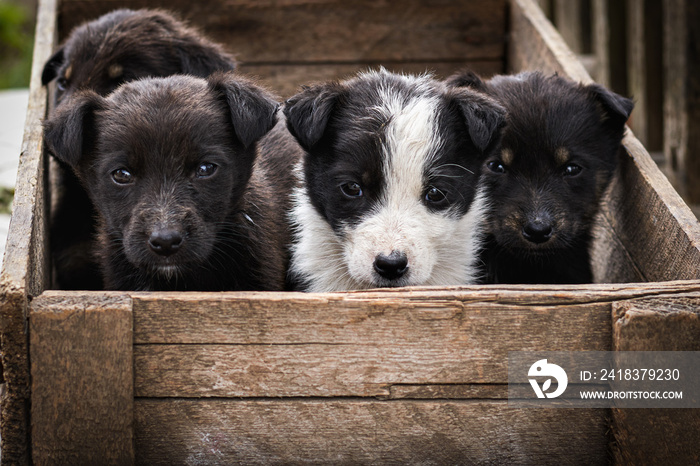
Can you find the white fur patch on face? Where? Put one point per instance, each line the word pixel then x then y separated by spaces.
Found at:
pixel 442 247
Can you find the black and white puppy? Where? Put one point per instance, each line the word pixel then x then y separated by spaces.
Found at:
pixel 558 154
pixel 183 202
pixel 390 174
pixel 117 47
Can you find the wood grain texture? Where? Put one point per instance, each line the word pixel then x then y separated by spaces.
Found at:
pixel 644 64
pixel 681 111
pixel 658 230
pixel 569 17
pixel 657 436
pixel 25 268
pixel 82 380
pixel 287 79
pixel 364 432
pixel 333 31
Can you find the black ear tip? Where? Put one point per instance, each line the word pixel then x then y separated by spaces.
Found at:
pixel 51 67
pixel 465 78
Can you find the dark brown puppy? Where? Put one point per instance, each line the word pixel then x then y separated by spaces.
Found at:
pixel 558 154
pixel 100 55
pixel 182 200
pixel 130 44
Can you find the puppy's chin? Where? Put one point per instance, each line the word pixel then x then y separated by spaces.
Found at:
pixel 167 271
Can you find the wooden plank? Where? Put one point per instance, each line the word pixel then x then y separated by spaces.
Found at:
pixel 25 268
pixel 286 80
pixel 570 18
pixel 609 44
pixel 338 357
pixel 365 432
pixel 270 318
pixel 682 96
pixel 449 391
pixel 645 70
pixel 657 436
pixel 658 324
pixel 82 380
pixel 657 229
pixel 333 31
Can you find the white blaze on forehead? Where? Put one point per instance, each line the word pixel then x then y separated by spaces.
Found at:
pixel 411 143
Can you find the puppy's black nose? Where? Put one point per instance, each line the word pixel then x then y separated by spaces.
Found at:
pixel 392 266
pixel 537 231
pixel 165 242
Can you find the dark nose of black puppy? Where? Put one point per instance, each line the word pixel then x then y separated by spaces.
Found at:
pixel 165 242
pixel 392 266
pixel 537 231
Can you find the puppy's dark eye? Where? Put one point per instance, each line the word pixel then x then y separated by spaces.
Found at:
pixel 351 189
pixel 62 84
pixel 496 166
pixel 122 176
pixel 435 196
pixel 572 169
pixel 205 170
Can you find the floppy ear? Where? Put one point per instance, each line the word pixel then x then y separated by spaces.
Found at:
pixel 52 66
pixel 309 111
pixel 70 133
pixel 253 110
pixel 483 116
pixel 616 109
pixel 466 78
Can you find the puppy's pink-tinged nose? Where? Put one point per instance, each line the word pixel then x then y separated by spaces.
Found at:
pixel 165 242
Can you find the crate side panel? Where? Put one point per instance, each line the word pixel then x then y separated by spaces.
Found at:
pixel 25 268
pixel 282 31
pixel 365 432
pixel 287 79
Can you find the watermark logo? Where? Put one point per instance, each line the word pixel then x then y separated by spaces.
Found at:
pixel 544 369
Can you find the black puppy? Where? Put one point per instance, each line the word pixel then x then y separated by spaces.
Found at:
pixel 100 55
pixel 170 164
pixel 558 155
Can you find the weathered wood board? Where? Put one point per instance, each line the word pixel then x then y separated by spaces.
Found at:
pixel 667 436
pixel 293 42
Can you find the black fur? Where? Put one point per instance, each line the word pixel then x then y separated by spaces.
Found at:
pixel 165 134
pixel 559 152
pixel 100 55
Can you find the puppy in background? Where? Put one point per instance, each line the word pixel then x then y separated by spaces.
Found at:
pixel 100 55
pixel 183 201
pixel 389 175
pixel 558 154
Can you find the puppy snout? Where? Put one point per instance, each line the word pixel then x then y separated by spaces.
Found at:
pixel 165 242
pixel 391 267
pixel 538 231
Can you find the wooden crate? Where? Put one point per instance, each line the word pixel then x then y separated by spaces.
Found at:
pixel 388 376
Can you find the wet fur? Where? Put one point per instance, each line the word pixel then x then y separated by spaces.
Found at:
pixel 117 47
pixel 162 129
pixel 398 137
pixel 551 124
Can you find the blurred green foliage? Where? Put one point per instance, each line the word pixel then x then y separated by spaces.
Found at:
pixel 16 43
